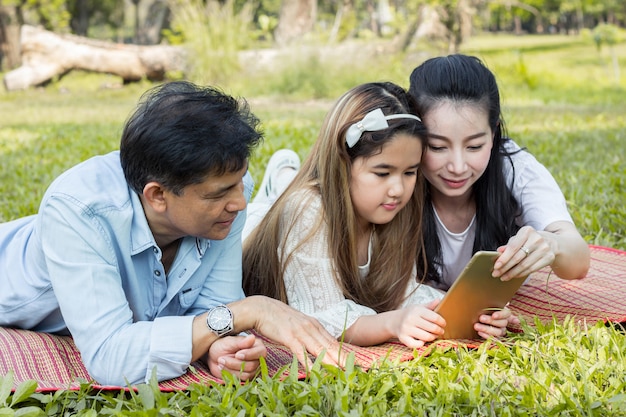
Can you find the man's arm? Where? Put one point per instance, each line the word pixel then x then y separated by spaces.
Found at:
pixel 279 322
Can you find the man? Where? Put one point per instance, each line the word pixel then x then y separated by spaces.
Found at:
pixel 137 253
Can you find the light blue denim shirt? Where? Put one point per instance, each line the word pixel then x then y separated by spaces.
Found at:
pixel 87 263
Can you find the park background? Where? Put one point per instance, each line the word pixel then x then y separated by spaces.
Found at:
pixel 560 66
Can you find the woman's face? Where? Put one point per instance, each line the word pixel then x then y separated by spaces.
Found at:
pixel 459 146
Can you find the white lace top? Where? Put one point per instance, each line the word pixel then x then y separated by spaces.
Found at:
pixel 309 271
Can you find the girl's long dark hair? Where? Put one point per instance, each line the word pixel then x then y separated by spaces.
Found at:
pixel 465 79
pixel 326 174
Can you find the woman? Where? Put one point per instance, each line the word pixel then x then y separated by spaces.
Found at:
pixel 484 192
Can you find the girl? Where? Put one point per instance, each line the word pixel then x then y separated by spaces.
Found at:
pixel 342 240
pixel 484 192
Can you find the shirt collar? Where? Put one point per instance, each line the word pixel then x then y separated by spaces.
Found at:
pixel 141 236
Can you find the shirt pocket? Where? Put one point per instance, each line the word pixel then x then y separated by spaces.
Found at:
pixel 188 296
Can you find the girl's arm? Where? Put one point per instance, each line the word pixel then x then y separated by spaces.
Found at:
pixel 412 325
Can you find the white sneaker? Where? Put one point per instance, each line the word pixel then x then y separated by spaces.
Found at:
pixel 281 169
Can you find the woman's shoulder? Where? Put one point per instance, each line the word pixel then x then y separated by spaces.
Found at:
pixel 522 162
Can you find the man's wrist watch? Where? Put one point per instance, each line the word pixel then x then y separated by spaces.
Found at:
pixel 220 321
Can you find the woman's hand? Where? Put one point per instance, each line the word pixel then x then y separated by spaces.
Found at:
pixel 526 252
pixel 417 324
pixel 494 325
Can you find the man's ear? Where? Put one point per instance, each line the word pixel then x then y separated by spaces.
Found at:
pixel 154 195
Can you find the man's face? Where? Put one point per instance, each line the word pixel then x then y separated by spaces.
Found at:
pixel 207 209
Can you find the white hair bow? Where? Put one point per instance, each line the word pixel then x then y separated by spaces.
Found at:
pixel 372 122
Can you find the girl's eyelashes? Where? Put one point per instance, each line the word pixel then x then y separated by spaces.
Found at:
pixel 436 148
pixel 385 174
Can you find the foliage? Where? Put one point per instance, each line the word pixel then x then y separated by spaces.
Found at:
pixel 51 14
pixel 213 32
pixel 606 35
pixel 102 14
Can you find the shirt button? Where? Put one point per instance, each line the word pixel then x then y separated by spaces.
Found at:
pixel 155 250
pixel 157 272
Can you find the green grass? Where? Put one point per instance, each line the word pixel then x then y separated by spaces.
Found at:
pixel 560 101
pixel 550 370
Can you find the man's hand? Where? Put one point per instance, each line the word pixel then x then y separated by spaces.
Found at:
pixel 238 355
pixel 289 327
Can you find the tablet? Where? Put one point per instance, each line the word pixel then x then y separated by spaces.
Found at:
pixel 474 292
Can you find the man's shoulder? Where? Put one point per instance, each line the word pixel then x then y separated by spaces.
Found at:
pixel 97 182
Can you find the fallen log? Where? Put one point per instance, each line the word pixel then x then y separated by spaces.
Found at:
pixel 46 55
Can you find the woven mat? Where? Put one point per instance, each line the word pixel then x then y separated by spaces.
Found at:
pixel 600 296
pixel 54 362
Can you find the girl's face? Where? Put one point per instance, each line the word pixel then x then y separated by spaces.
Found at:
pixel 459 146
pixel 382 184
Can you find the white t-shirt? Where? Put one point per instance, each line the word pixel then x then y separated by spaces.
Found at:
pixel 541 202
pixel 310 273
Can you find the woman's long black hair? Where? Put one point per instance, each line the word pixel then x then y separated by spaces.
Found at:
pixel 465 79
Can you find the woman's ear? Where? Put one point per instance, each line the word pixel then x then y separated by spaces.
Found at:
pixel 154 195
pixel 498 127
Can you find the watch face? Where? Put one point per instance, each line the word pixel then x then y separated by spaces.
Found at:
pixel 220 320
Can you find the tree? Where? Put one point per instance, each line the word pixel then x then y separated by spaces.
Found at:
pixel 456 16
pixel 518 10
pixel 606 34
pixel 48 55
pixel 10 22
pixel 86 13
pixel 51 14
pixel 296 18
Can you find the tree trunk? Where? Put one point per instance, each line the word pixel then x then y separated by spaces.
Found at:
pixel 297 17
pixel 155 20
pixel 406 37
pixel 342 10
pixel 46 55
pixel 80 19
pixel 9 38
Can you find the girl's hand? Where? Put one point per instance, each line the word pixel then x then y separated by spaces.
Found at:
pixel 526 252
pixel 494 325
pixel 417 324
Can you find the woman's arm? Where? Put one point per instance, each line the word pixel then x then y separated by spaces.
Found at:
pixel 548 233
pixel 571 252
pixel 559 246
